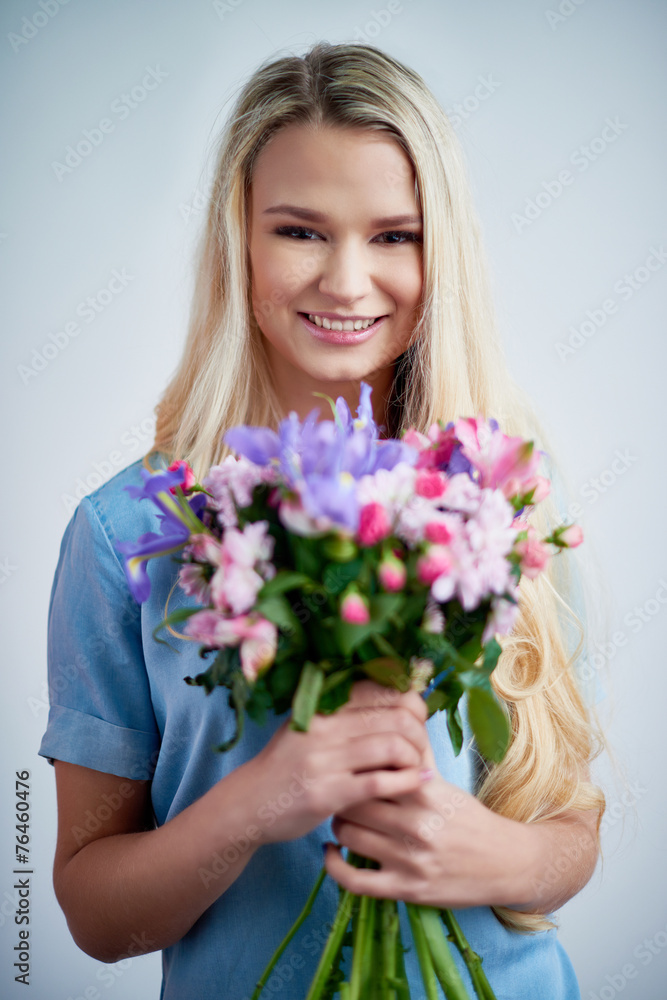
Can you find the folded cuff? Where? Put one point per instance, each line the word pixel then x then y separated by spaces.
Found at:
pixel 84 739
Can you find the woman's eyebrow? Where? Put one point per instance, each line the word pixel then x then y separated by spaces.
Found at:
pixel 312 216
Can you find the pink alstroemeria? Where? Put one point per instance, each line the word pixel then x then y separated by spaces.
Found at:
pixel 257 637
pixel 243 567
pixel 374 524
pixel 497 457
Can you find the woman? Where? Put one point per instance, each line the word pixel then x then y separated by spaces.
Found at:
pixel 341 245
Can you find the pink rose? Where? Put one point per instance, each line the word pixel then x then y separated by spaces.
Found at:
pixel 374 524
pixel 572 536
pixel 188 475
pixel 430 483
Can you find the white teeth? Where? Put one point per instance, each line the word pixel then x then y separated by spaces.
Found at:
pixel 336 324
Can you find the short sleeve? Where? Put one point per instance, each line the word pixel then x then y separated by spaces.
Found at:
pixel 101 715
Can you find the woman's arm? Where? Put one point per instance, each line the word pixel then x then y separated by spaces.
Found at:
pixel 128 888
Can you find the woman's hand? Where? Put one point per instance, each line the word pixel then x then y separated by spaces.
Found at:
pixel 436 845
pixel 440 846
pixel 371 748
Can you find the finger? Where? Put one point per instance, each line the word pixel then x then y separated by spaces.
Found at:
pixel 377 814
pixel 360 881
pixel 393 719
pixel 368 694
pixel 365 842
pixel 377 751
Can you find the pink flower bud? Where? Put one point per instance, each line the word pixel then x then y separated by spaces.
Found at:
pixel 534 556
pixel 572 536
pixel 392 573
pixel 374 524
pixel 354 609
pixel 542 488
pixel 433 564
pixel 430 483
pixel 188 475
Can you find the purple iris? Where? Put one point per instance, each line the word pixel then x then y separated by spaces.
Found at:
pixel 321 460
pixel 175 526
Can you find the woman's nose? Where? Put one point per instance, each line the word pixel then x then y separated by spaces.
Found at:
pixel 345 274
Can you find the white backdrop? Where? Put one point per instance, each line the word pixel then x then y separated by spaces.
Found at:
pixel 560 108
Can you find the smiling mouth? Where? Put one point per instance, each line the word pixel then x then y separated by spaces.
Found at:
pixel 348 325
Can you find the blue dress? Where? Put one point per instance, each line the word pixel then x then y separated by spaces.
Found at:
pixel 119 704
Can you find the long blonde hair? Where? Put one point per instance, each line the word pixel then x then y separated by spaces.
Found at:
pixel 453 367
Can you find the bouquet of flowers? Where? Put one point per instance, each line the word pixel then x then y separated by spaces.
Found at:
pixel 322 554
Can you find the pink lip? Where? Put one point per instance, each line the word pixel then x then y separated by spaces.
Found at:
pixel 341 336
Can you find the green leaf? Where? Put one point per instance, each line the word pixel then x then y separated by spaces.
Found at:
pixel 387 670
pixel 221 671
pixel 336 576
pixel 489 723
pixel 455 728
pixel 307 695
pixel 279 611
pixel 284 580
pixel 492 651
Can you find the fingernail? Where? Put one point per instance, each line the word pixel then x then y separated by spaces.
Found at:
pixel 426 774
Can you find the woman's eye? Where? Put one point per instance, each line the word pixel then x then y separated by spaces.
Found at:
pixel 301 231
pixel 404 236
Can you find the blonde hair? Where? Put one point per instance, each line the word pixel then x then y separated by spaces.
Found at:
pixel 453 367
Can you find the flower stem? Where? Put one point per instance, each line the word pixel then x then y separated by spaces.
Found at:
pixel 333 945
pixel 360 979
pixel 442 958
pixel 472 960
pixel 290 934
pixel 390 928
pixel 423 952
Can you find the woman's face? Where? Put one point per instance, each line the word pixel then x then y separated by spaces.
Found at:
pixel 334 233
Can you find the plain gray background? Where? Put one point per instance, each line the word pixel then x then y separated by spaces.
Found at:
pixel 580 291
